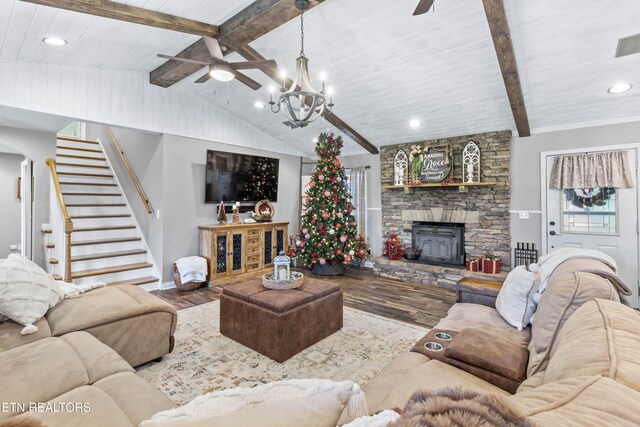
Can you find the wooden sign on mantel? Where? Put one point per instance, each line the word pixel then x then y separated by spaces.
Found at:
pixel 436 166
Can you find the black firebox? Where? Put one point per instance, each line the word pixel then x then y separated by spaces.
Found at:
pixel 441 243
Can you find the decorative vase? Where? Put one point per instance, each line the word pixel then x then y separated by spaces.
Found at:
pixel 335 269
pixel 412 254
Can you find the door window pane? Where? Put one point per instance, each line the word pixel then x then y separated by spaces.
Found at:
pixel 590 211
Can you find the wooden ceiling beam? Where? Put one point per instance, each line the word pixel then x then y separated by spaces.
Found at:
pixel 253 22
pixel 499 27
pixel 132 14
pixel 250 54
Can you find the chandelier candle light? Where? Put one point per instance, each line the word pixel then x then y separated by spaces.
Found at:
pixel 301 103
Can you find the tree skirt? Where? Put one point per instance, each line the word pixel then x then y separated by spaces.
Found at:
pixel 204 360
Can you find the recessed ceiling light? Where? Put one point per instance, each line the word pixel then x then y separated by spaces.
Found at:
pixel 620 87
pixel 54 41
pixel 414 123
pixel 258 104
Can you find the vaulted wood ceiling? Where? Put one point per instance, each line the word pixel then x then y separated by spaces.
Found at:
pixel 386 65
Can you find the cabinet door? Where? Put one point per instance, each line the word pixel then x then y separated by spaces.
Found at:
pixel 220 254
pixel 253 249
pixel 269 240
pixel 281 237
pixel 236 241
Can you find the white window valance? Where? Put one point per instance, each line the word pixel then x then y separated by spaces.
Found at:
pixel 590 170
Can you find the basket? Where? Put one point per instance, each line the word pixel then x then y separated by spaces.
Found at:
pixel 282 285
pixel 189 286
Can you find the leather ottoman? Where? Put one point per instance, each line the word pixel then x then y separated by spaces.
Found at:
pixel 280 324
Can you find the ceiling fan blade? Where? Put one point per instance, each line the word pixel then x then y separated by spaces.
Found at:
pixel 177 58
pixel 246 65
pixel 423 7
pixel 214 47
pixel 205 78
pixel 248 81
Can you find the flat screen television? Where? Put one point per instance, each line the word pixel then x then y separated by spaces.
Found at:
pixel 233 177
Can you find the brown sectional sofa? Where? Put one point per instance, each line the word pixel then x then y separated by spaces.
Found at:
pixel 583 367
pixel 83 352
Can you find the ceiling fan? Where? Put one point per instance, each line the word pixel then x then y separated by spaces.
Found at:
pixel 222 70
pixel 423 7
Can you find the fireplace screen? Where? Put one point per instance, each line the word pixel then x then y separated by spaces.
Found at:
pixel 441 243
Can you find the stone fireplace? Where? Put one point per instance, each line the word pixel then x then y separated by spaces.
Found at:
pixel 439 243
pixel 480 214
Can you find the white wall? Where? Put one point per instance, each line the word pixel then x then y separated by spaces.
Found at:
pixel 374 212
pixel 525 168
pixel 183 192
pixel 11 206
pixel 37 146
pixel 127 99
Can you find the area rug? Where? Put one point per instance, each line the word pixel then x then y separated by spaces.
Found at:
pixel 204 360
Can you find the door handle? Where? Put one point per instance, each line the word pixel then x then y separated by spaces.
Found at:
pixel 553 233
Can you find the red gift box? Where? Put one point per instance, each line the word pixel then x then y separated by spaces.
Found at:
pixel 491 265
pixel 473 265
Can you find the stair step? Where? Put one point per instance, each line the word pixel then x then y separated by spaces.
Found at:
pixel 115 227
pixel 49 245
pixel 97 205
pixel 92 194
pixel 135 282
pixel 73 156
pixel 56 277
pixel 66 147
pixel 81 165
pixel 46 231
pixel 97 175
pixel 52 260
pixel 66 138
pixel 116 269
pixel 108 255
pixel 101 216
pixel 96 184
pixel 105 241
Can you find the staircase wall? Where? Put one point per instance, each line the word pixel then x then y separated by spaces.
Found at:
pixel 144 153
pixel 37 146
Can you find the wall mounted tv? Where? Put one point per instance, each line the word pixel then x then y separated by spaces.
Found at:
pixel 233 177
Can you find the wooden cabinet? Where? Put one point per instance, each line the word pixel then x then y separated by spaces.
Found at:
pixel 235 249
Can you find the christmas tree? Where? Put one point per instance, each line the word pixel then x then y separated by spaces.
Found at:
pixel 222 214
pixel 329 231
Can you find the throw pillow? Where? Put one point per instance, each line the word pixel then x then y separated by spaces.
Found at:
pixel 457 407
pixel 308 402
pixel 515 300
pixel 381 419
pixel 27 292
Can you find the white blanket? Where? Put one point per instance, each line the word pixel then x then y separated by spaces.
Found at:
pixel 192 269
pixel 548 263
pixel 73 291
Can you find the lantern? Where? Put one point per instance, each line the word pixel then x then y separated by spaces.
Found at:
pixel 281 266
pixel 394 248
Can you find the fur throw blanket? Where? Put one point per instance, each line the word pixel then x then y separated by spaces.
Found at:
pixel 457 407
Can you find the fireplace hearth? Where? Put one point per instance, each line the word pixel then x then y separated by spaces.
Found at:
pixel 440 242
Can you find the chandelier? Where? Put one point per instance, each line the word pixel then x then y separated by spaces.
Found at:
pixel 301 103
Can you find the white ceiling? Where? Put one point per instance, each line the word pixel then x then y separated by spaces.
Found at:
pixel 386 65
pixel 31 120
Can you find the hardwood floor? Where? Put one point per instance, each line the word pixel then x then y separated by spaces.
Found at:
pixel 405 301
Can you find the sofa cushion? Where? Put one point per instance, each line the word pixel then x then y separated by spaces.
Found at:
pixel 601 338
pixel 569 287
pixel 463 315
pixel 312 403
pixel 138 399
pixel 393 386
pixel 10 336
pixel 488 350
pixel 42 370
pixel 26 291
pixel 580 401
pixel 105 305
